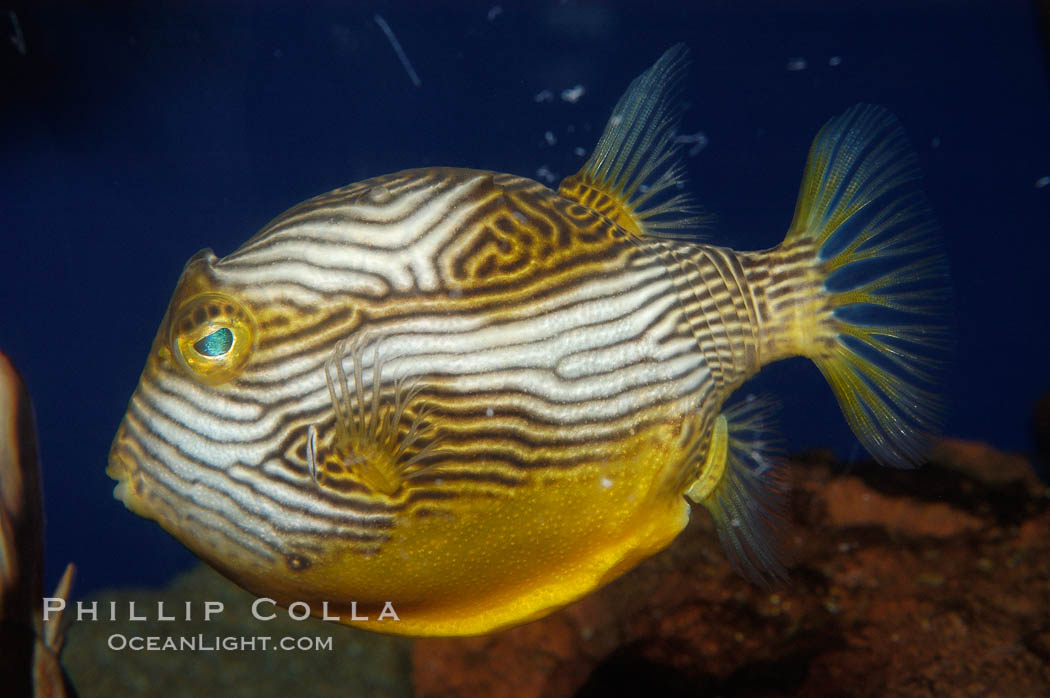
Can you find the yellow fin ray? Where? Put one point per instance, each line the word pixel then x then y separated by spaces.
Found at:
pixel 742 485
pixel 634 175
pixel 375 438
pixel 882 342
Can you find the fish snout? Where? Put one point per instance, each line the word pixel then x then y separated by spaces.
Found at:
pixel 123 467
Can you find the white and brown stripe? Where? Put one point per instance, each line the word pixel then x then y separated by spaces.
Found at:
pixel 540 334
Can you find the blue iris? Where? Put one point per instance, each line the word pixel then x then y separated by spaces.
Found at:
pixel 215 344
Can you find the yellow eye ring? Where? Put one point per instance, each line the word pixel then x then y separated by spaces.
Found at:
pixel 212 336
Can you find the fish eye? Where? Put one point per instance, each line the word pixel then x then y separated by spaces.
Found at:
pixel 212 336
pixel 217 343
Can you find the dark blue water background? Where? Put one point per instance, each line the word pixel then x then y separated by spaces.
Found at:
pixel 134 134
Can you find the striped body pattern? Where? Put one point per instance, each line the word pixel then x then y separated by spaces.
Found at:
pixel 541 339
pixel 459 391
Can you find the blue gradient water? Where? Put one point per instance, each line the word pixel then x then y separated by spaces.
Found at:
pixel 131 138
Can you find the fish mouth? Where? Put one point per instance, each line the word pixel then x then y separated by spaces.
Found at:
pixel 123 468
pixel 129 465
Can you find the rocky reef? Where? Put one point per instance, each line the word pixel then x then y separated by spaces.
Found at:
pixel 928 582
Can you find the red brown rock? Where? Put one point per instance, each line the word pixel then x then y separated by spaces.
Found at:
pixel 1040 425
pixel 852 503
pixel 928 582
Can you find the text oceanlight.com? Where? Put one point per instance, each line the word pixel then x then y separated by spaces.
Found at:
pixel 215 643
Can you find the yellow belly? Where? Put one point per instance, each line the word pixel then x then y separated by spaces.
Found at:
pixel 487 563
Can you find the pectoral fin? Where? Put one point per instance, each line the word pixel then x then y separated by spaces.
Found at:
pixel 742 485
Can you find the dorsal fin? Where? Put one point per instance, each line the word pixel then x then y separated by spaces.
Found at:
pixel 634 173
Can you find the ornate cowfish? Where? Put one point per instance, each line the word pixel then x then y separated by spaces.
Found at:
pixel 478 399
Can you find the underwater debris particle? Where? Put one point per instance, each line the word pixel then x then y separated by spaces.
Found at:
pixel 545 174
pixel 1042 182
pixel 550 138
pixel 579 151
pixel 494 12
pixel 489 412
pixel 572 94
pixel 543 96
pixel 698 141
pixel 398 50
pixel 935 142
pixel 835 61
pixel 17 39
pixel 796 64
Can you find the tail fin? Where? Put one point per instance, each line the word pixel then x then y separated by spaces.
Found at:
pixel 885 282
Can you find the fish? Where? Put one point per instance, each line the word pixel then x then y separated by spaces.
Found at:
pixel 30 641
pixel 473 399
